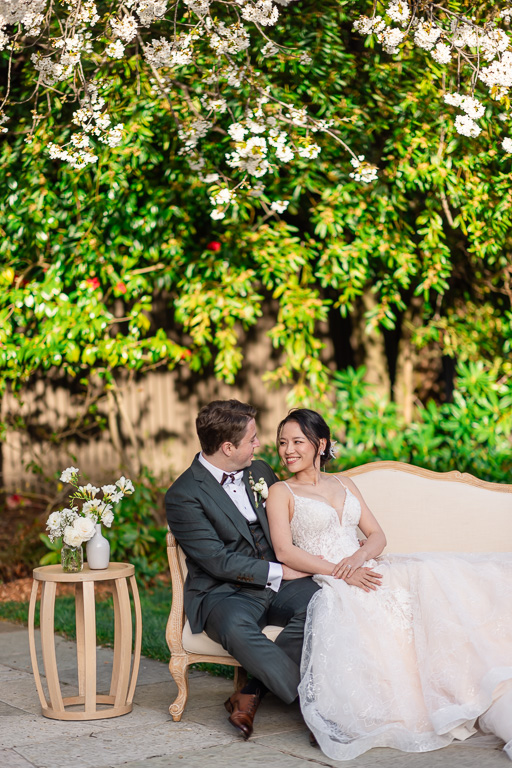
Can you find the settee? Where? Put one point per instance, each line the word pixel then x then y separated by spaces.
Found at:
pixel 419 510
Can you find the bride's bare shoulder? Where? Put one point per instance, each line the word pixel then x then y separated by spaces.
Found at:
pixel 279 488
pixel 347 481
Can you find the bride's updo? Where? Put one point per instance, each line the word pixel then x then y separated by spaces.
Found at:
pixel 313 426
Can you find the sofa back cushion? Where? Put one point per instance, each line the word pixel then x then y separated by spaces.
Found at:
pixel 424 511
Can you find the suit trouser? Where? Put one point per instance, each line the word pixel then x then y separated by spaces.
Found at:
pixel 236 623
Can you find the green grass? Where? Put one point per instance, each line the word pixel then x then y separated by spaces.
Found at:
pixel 155 606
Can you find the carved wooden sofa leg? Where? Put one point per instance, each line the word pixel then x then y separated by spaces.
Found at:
pixel 178 668
pixel 240 678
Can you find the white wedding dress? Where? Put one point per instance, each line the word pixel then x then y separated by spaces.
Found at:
pixel 413 664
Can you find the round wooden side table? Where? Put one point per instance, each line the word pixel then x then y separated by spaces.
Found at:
pixel 124 670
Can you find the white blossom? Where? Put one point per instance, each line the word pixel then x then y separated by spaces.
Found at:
pixel 162 53
pixel 93 507
pixel 494 42
pixel 250 156
pixel 366 26
pixel 284 153
pixel 466 126
pixel 115 50
pixel 499 73
pixel 507 144
pixel 269 49
pixel 222 197
pixel 82 529
pixel 427 34
pixel 192 133
pixel 150 10
pixel 216 105
pixel 472 107
pixel 200 7
pixel 466 36
pixel 210 178
pixel 69 474
pixel 114 136
pixel 85 527
pixel 72 537
pixel 107 518
pixel 454 99
pixel 279 206
pixel 88 491
pixel 237 131
pixel 125 28
pixel 261 12
pixel 364 171
pixel 54 523
pixel 298 116
pixel 391 38
pixel 309 151
pixel 125 485
pixel 442 53
pixel 232 39
pixel 399 11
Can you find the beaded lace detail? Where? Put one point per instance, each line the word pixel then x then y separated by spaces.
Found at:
pixel 316 527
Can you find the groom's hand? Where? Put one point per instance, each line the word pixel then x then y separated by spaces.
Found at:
pixel 365 578
pixel 289 574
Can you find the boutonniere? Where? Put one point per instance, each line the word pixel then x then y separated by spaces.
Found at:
pixel 259 489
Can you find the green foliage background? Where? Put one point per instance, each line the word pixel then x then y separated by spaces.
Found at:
pixel 435 226
pixel 110 269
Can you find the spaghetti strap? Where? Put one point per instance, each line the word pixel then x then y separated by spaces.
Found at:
pixel 292 493
pixel 340 482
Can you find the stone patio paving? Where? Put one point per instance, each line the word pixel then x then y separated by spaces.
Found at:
pixel 147 737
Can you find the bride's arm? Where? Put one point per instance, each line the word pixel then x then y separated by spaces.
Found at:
pixel 375 538
pixel 279 513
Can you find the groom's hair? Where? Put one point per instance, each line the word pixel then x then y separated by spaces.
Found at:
pixel 222 421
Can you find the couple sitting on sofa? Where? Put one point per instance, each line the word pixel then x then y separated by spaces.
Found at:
pixel 404 651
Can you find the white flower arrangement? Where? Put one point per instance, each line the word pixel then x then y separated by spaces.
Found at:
pixel 259 489
pixel 76 524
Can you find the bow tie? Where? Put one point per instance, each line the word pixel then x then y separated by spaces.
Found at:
pixel 232 477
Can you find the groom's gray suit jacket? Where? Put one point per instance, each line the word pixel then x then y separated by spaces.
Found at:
pixel 215 536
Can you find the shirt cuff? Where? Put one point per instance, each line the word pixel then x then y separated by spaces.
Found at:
pixel 275 576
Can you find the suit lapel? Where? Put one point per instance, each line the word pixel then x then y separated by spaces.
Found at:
pixel 216 492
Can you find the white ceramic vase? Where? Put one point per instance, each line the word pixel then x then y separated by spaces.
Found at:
pixel 98 551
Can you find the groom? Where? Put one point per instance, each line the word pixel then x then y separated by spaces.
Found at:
pixel 235 586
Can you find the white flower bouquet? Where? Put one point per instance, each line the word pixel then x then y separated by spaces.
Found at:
pixel 259 489
pixel 76 524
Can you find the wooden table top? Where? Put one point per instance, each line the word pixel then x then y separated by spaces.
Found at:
pixel 55 573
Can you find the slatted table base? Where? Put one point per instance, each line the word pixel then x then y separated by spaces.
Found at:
pixel 124 672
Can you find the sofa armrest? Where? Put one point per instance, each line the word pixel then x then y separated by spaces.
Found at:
pixel 176 621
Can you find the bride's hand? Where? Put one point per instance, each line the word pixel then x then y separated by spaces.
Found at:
pixel 365 578
pixel 348 565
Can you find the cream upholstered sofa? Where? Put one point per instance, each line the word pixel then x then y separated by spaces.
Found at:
pixel 419 510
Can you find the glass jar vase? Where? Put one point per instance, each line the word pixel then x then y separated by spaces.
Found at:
pixel 72 558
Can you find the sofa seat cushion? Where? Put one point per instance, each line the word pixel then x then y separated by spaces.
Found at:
pixel 204 645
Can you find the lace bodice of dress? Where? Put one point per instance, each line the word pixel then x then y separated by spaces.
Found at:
pixel 317 529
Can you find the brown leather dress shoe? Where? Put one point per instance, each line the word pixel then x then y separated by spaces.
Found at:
pixel 242 709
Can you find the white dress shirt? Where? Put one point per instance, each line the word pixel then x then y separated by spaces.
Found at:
pixel 237 492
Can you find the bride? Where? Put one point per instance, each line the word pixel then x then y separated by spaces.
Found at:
pixel 407 651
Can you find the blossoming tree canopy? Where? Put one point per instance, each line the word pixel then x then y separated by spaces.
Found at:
pixel 213 63
pixel 470 40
